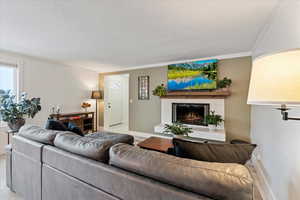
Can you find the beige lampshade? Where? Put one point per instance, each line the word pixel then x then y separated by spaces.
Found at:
pixel 96 95
pixel 275 79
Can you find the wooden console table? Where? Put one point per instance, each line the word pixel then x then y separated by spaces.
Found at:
pixel 84 120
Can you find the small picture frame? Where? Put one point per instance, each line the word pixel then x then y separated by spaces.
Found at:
pixel 143 87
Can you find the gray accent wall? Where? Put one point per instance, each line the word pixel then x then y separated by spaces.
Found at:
pixel 145 114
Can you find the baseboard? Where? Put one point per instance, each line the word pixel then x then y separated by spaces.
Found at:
pixel 262 181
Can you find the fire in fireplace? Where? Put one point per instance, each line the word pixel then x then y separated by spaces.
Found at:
pixel 190 113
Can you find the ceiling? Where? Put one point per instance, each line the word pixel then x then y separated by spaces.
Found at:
pixel 110 35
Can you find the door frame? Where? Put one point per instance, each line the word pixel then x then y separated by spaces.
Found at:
pixel 105 100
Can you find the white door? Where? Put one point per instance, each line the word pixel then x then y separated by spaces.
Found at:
pixel 115 101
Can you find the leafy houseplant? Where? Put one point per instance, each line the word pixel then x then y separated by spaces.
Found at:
pixel 213 120
pixel 160 90
pixel 177 129
pixel 224 83
pixel 14 112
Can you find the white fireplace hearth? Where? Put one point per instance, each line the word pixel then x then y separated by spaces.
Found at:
pixel 199 131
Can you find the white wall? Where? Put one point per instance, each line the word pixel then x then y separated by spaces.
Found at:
pixel 278 140
pixel 54 83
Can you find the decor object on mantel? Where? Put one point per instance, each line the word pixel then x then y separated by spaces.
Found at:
pixel 160 90
pixel 96 95
pixel 213 120
pixel 177 129
pixel 14 112
pixel 85 106
pixel 275 81
pixel 224 84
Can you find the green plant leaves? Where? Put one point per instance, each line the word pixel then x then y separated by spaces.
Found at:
pixel 213 119
pixel 225 82
pixel 10 109
pixel 177 129
pixel 160 90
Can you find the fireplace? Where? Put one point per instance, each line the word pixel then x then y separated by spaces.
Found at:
pixel 190 113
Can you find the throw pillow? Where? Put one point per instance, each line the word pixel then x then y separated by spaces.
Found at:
pixel 53 124
pixel 73 128
pixel 56 125
pixel 213 152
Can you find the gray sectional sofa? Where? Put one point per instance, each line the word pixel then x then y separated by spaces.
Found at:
pixel 53 165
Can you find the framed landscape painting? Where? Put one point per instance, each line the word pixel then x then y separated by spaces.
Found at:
pixel 197 75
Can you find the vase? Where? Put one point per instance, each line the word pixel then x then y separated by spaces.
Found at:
pixel 16 124
pixel 212 127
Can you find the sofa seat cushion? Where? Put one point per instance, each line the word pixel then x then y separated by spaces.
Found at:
pixel 215 180
pixel 38 134
pixel 213 152
pixel 94 146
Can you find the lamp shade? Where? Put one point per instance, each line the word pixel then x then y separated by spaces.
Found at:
pixel 96 95
pixel 275 79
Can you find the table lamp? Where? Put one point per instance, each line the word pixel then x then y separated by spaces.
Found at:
pixel 275 80
pixel 96 94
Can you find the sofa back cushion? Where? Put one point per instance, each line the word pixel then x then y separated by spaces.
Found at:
pixel 215 180
pixel 38 134
pixel 94 146
pixel 120 183
pixel 213 152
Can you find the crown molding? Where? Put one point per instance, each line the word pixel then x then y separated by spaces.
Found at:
pixel 219 57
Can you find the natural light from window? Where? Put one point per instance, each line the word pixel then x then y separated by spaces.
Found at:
pixel 8 78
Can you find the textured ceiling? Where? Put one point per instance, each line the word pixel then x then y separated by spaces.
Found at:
pixel 109 35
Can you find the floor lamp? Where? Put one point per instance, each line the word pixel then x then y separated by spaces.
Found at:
pixel 96 95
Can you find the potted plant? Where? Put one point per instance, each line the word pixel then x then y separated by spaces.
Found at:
pixel 224 84
pixel 160 90
pixel 177 129
pixel 213 120
pixel 14 112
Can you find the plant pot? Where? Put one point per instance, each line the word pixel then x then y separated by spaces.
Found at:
pixel 178 136
pixel 16 124
pixel 212 127
pixel 226 89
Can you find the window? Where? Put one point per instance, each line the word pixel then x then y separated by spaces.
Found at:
pixel 8 77
pixel 8 80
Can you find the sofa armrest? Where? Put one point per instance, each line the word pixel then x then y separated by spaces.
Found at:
pixel 8 152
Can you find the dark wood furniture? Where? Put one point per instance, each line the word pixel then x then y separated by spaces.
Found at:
pixel 215 94
pixel 84 120
pixel 157 144
pixel 10 132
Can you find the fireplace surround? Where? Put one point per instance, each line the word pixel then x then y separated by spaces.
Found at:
pixel 198 130
pixel 190 113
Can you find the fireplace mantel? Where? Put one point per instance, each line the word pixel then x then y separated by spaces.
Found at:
pixel 216 94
